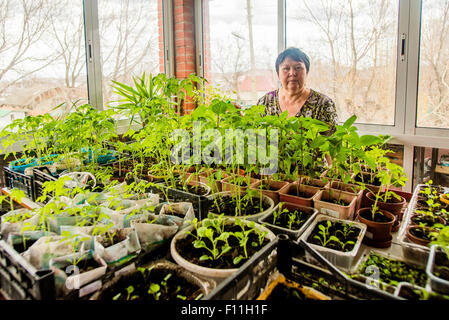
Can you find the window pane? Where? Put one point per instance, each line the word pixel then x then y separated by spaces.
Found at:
pixel 433 88
pixel 242 71
pixel 42 57
pixel 129 40
pixel 352 48
pixel 431 164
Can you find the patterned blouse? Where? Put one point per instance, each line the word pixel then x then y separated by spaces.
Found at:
pixel 317 106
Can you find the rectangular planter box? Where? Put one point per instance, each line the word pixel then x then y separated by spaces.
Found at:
pixel 287 194
pixel 227 184
pixel 315 182
pixel 332 209
pixel 350 188
pixel 293 234
pixel 437 284
pixel 273 194
pixel 342 260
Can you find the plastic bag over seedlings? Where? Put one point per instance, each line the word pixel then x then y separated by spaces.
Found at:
pixel 117 244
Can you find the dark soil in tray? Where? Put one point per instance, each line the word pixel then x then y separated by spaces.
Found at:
pixel 441 267
pixel 282 292
pixel 344 232
pixel 378 217
pixel 106 240
pixel 228 206
pixel 21 246
pixel 366 179
pixel 86 265
pixel 186 249
pixel 426 219
pixel 418 294
pixel 194 189
pixel 296 191
pixel 291 219
pixel 175 288
pixel 394 271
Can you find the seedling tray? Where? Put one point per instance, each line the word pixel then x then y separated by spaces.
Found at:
pixel 414 252
pixel 19 181
pixel 289 257
pixel 372 279
pixel 19 280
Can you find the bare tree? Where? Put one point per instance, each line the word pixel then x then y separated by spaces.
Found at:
pixel 67 32
pixel 22 25
pixel 251 50
pixel 231 62
pixel 129 41
pixel 435 64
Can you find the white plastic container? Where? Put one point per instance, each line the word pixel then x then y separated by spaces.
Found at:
pixel 437 284
pixel 292 233
pixel 343 260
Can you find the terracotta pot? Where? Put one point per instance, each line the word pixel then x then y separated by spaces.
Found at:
pixel 416 239
pixel 376 231
pixel 273 194
pixel 289 193
pixel 437 219
pixel 395 207
pixel 322 202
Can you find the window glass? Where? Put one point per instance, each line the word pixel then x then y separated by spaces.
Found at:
pixel 130 31
pixel 42 57
pixel 352 51
pixel 433 87
pixel 240 39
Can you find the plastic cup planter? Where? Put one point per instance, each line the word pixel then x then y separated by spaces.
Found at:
pixel 266 202
pixel 210 274
pixel 340 259
pixel 437 256
pixel 310 214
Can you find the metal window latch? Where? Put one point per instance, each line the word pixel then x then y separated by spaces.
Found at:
pixel 403 47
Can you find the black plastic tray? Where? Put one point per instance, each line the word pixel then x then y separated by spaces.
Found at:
pixel 200 204
pixel 19 181
pixel 19 280
pixel 291 263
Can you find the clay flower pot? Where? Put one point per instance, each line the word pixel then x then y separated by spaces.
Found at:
pixel 416 235
pixel 377 231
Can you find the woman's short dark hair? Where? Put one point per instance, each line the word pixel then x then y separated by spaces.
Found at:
pixel 295 54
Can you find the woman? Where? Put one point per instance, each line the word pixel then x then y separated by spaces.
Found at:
pixel 292 67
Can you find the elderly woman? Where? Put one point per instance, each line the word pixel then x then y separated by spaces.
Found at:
pixel 292 67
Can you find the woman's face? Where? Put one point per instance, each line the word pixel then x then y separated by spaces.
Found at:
pixel 292 74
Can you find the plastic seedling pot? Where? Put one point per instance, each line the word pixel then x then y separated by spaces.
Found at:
pixel 294 234
pixel 340 259
pixel 436 283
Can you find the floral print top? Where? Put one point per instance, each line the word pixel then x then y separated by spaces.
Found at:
pixel 317 106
